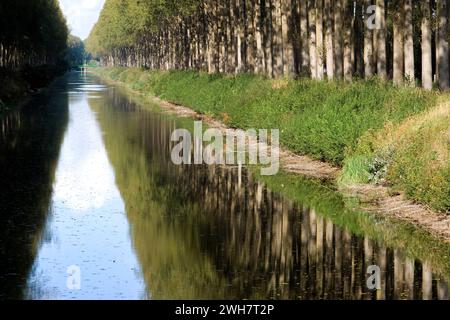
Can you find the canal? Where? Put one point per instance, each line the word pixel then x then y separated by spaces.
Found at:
pixel 92 207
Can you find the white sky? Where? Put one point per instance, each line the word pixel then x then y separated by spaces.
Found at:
pixel 81 15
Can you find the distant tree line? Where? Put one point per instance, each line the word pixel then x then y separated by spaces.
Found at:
pixel 32 33
pixel 76 54
pixel 402 40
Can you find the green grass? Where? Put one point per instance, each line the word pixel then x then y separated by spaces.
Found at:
pixel 336 122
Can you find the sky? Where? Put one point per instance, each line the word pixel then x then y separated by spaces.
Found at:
pixel 81 15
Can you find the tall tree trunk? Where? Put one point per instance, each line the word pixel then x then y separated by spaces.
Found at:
pixel 278 39
pixel 250 35
pixel 223 16
pixel 348 35
pixel 359 39
pixel 329 39
pixel 368 45
pixel 210 41
pixel 313 59
pixel 216 39
pixel 381 47
pixel 409 42
pixel 269 38
pixel 239 36
pixel 398 43
pixel 259 63
pixel 443 50
pixel 319 35
pixel 427 67
pixel 304 63
pixel 231 37
pixel 338 39
pixel 288 50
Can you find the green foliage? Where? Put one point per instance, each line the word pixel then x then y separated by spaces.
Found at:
pixel 33 42
pixel 34 28
pixel 17 84
pixel 355 170
pixel 76 54
pixel 122 23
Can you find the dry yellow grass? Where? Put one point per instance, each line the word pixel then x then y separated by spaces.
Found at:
pixel 280 84
pixel 418 153
pixel 433 125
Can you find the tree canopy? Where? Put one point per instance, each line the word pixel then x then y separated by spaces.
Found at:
pixel 406 41
pixel 76 53
pixel 31 33
pixel 123 23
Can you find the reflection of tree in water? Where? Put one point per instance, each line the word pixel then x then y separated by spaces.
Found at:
pixel 279 249
pixel 30 139
pixel 214 232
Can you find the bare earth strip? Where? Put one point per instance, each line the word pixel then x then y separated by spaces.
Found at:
pixel 376 199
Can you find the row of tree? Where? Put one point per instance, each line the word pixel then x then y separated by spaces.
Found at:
pixel 334 39
pixel 32 33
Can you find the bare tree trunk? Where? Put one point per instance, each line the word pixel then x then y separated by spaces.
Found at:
pixel 288 50
pixel 259 63
pixel 329 39
pixel 239 36
pixel 319 35
pixel 368 46
pixel 398 43
pixel 359 39
pixel 427 67
pixel 210 42
pixel 269 38
pixel 381 47
pixel 223 38
pixel 278 40
pixel 338 39
pixel 216 38
pixel 305 63
pixel 409 42
pixel 348 47
pixel 250 35
pixel 443 50
pixel 231 37
pixel 312 38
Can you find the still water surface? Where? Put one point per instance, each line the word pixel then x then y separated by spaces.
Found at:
pixel 88 185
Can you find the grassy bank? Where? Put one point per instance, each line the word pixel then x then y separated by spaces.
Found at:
pixel 378 133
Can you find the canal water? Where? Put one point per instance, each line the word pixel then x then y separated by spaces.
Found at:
pixel 91 207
